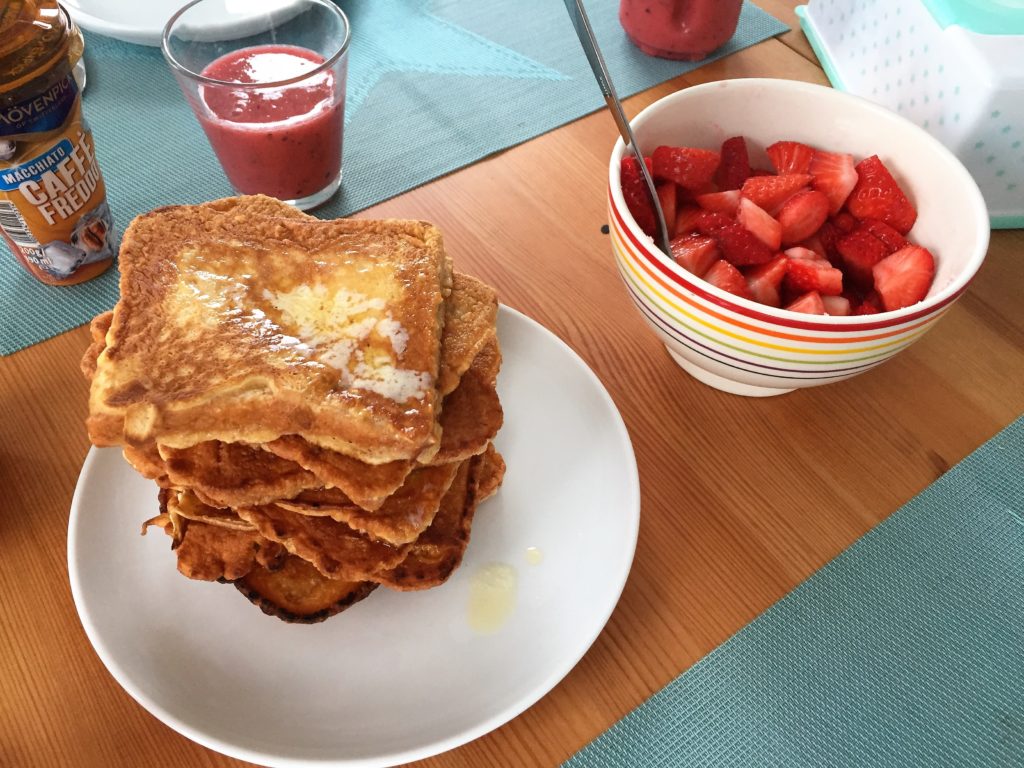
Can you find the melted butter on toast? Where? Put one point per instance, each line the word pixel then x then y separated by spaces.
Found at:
pixel 321 321
pixel 354 333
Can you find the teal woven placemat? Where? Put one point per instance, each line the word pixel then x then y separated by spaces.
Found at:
pixel 434 85
pixel 906 650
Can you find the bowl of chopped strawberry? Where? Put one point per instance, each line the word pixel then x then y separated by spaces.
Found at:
pixel 813 234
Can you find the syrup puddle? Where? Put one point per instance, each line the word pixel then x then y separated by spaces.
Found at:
pixel 492 597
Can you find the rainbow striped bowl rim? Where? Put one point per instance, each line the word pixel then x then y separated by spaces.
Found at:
pixel 743 335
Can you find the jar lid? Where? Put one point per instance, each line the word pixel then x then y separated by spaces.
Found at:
pixel 35 35
pixel 987 17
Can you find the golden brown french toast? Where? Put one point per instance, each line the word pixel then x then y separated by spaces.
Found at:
pixel 238 327
pixel 316 400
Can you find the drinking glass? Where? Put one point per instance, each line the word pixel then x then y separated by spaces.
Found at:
pixel 266 80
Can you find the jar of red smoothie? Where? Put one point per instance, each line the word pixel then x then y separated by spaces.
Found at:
pixel 267 84
pixel 679 29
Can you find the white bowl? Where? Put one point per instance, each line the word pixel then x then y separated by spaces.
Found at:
pixel 747 348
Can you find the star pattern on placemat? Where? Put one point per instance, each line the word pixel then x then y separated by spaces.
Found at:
pixel 402 36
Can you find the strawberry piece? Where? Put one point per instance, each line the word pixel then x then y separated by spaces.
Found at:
pixel 638 201
pixel 814 243
pixel 770 192
pixel 738 245
pixel 802 215
pixel 723 202
pixel 734 168
pixel 878 196
pixel 834 176
pixel 790 156
pixel 695 253
pixel 686 166
pixel 829 235
pixel 892 239
pixel 708 222
pixel 859 252
pixel 760 224
pixel 760 172
pixel 764 281
pixel 799 252
pixel 903 278
pixel 814 275
pixel 667 197
pixel 871 305
pixel 845 223
pixel 810 303
pixel 836 305
pixel 725 276
pixel 686 219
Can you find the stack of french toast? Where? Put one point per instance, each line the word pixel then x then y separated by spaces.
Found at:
pixel 316 400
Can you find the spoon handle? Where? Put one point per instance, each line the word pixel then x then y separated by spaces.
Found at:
pixel 593 52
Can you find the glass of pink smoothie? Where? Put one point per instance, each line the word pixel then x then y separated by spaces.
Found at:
pixel 679 29
pixel 267 82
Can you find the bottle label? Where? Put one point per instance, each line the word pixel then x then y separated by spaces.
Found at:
pixel 43 112
pixel 53 209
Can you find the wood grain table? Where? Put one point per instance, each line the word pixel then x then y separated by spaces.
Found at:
pixel 742 498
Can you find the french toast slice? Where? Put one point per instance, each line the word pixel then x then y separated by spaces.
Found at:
pixel 238 326
pixel 298 593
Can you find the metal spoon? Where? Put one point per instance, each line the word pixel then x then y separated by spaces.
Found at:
pixel 590 47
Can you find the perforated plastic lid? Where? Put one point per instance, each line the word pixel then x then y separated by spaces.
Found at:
pixel 988 17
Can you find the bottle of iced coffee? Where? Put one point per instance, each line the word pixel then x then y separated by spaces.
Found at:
pixel 53 206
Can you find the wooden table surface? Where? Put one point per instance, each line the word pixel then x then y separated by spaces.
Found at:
pixel 742 498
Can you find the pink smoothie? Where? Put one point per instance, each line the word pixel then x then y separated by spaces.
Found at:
pixel 679 29
pixel 283 141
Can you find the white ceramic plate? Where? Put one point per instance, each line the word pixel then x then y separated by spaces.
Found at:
pixel 133 22
pixel 143 22
pixel 399 676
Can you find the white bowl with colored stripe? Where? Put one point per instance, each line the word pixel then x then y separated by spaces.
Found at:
pixel 747 348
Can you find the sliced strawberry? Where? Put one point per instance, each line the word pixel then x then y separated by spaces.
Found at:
pixel 871 305
pixel 739 246
pixel 686 166
pixel 814 243
pixel 667 196
pixel 760 172
pixel 892 239
pixel 809 303
pixel 638 201
pixel 735 166
pixel 829 235
pixel 725 276
pixel 859 252
pixel 770 192
pixel 802 215
pixel 836 305
pixel 834 176
pixel 878 196
pixel 759 223
pixel 799 252
pixel 709 221
pixel 695 253
pixel 845 223
pixel 903 278
pixel 723 202
pixel 686 219
pixel 764 281
pixel 814 275
pixel 790 156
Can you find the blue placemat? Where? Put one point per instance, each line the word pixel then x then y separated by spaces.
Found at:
pixel 906 650
pixel 433 86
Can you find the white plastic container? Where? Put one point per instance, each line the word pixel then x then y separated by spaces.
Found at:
pixel 954 67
